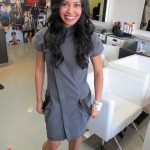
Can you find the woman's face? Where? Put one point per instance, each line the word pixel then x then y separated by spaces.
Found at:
pixel 25 14
pixel 70 12
pixel 18 3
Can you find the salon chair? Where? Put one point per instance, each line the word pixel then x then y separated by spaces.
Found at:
pixel 111 52
pixel 134 64
pixel 121 103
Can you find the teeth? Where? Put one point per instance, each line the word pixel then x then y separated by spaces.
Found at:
pixel 70 17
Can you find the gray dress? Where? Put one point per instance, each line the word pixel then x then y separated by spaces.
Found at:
pixel 68 110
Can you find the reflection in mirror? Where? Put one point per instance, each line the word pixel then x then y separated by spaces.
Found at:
pixel 98 9
pixel 145 23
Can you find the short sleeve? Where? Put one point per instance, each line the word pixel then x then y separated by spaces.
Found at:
pixel 97 45
pixel 38 39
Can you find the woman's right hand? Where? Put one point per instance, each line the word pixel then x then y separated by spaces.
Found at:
pixel 39 107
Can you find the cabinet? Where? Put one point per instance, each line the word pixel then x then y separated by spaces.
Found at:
pixel 118 41
pixel 103 36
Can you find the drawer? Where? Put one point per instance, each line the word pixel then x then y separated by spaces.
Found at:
pixel 114 44
pixel 101 36
pixel 115 40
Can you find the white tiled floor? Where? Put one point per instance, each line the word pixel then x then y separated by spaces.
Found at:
pixel 21 127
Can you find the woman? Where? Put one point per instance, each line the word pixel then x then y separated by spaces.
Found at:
pixel 16 15
pixel 66 45
pixel 35 13
pixel 27 21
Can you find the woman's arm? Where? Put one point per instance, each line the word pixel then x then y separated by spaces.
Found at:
pixel 98 81
pixel 39 79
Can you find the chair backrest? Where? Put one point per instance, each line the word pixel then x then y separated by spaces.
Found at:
pixel 111 52
pixel 135 62
pixel 104 63
pixel 133 87
pixel 135 65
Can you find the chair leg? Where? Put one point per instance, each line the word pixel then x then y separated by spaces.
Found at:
pixel 147 110
pixel 138 131
pixel 103 144
pixel 119 146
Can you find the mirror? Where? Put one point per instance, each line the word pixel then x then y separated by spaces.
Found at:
pixel 145 21
pixel 99 10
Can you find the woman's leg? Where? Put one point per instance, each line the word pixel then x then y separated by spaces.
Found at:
pixel 75 144
pixel 51 145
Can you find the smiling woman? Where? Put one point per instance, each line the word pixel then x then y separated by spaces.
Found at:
pixel 66 45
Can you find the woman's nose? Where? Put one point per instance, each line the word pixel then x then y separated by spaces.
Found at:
pixel 70 9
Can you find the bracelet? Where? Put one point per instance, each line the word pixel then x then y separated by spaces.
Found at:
pixel 97 105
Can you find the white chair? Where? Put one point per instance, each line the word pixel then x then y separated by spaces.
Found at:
pixel 134 64
pixel 122 94
pixel 104 63
pixel 111 52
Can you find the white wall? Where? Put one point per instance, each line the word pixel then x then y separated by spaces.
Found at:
pixel 126 11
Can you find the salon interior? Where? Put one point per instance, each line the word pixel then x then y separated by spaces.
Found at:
pixel 124 120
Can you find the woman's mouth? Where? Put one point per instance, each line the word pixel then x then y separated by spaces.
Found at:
pixel 69 17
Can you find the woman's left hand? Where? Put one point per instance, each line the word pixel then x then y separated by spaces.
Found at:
pixel 94 113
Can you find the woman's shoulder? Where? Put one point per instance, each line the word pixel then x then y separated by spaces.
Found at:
pixel 94 36
pixel 97 43
pixel 38 39
pixel 42 31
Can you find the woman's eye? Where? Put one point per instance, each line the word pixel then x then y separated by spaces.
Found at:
pixel 64 4
pixel 77 5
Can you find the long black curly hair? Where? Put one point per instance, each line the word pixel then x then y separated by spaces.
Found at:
pixel 81 35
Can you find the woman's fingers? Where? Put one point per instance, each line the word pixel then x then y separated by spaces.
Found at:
pixel 94 113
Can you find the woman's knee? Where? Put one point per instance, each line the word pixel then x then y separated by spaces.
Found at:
pixel 55 143
pixel 51 145
pixel 77 140
pixel 75 144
